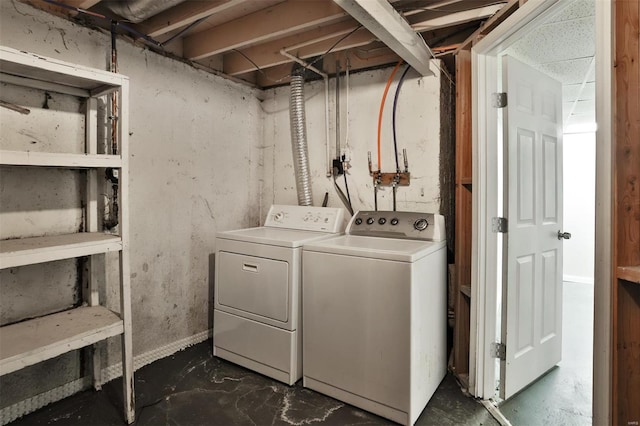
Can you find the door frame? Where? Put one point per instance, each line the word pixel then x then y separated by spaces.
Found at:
pixel 484 255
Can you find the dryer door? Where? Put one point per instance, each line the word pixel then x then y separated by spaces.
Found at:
pixel 255 285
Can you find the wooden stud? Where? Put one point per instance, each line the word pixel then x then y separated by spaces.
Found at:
pixel 626 216
pixel 463 215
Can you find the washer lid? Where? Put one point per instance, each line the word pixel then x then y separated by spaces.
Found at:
pixel 376 248
pixel 281 237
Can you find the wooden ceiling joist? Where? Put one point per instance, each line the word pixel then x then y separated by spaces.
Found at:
pixel 283 19
pixel 317 41
pixel 304 45
pixel 279 75
pixel 182 15
pixel 426 21
pixel 379 17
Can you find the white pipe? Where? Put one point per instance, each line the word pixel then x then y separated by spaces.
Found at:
pixel 326 103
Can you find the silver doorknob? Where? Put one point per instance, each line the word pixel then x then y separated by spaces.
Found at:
pixel 564 235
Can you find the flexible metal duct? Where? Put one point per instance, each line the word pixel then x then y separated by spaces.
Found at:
pixel 136 11
pixel 299 141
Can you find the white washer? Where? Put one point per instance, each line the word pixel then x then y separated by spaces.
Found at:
pixel 257 296
pixel 374 313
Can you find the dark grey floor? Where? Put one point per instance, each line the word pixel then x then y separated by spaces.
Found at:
pixel 563 396
pixel 192 387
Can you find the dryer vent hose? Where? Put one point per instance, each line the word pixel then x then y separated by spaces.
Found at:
pixel 299 140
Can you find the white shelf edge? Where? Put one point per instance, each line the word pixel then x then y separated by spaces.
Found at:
pixel 43 85
pixel 30 342
pixel 38 67
pixel 29 251
pixel 49 159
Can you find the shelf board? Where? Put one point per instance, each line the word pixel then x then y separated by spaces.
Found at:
pixel 466 290
pixel 629 273
pixel 48 159
pixel 28 251
pixel 29 342
pixel 62 74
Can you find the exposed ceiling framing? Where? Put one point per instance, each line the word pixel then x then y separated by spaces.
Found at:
pixel 244 38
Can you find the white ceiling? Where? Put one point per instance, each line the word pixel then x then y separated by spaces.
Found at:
pixel 564 48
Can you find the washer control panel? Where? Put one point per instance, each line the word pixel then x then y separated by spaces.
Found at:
pixel 307 218
pixel 404 225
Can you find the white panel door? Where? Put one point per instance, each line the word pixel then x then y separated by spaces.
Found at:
pixel 532 292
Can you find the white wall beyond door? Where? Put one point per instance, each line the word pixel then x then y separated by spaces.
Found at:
pixel 579 206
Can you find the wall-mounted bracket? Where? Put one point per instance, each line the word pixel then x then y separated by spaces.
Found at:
pixel 391 179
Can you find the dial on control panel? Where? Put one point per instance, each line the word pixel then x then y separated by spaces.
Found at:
pixel 358 221
pixel 370 221
pixel 421 224
pixel 382 221
pixel 394 221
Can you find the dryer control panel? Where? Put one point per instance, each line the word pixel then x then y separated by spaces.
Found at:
pixel 306 218
pixel 404 225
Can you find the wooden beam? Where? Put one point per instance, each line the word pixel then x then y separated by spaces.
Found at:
pixel 426 21
pixel 379 17
pixel 182 15
pixel 81 4
pixel 506 11
pixel 49 8
pixel 311 43
pixel 319 40
pixel 279 75
pixel 463 216
pixel 283 19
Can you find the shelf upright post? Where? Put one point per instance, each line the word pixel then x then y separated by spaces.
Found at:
pixel 91 293
pixel 125 267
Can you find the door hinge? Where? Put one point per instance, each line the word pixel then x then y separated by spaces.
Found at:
pixel 499 224
pixel 499 100
pixel 498 350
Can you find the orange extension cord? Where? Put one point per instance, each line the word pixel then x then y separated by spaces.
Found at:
pixel 384 98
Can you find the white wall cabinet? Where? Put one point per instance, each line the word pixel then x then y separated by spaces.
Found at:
pixel 28 342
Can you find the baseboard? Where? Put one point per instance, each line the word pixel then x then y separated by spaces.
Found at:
pixel 577 279
pixel 29 405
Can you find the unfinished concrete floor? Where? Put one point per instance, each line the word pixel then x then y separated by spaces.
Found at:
pixel 562 396
pixel 192 387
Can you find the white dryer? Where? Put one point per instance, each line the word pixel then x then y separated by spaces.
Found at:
pixel 374 313
pixel 257 289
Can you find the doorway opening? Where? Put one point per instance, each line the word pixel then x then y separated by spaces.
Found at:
pixel 559 41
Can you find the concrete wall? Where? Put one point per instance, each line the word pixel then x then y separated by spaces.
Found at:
pixel 195 166
pixel 207 155
pixel 418 130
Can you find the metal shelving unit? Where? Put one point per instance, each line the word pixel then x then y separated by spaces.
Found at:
pixel 35 340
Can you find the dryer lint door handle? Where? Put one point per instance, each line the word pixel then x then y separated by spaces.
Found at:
pixel 249 267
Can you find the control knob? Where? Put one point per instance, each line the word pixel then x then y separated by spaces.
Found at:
pixel 370 221
pixel 421 224
pixel 394 221
pixel 358 221
pixel 382 221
